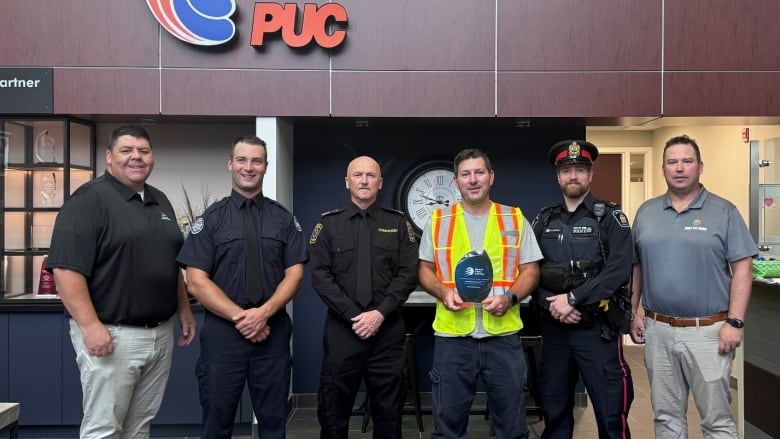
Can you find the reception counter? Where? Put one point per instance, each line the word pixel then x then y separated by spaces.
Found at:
pixel 761 369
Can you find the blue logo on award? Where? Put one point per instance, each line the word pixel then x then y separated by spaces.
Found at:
pixel 474 276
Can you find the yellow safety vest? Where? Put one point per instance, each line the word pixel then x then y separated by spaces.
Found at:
pixel 502 243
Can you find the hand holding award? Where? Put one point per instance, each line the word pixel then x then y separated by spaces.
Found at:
pixel 474 276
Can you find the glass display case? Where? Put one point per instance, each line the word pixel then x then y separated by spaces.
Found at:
pixel 44 161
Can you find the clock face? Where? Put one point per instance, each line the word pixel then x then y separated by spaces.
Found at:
pixel 425 188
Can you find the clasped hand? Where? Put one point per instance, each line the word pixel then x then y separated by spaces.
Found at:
pixel 252 323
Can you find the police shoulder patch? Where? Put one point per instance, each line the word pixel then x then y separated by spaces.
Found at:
pixel 395 211
pixel 197 226
pixel 315 233
pixel 410 232
pixel 620 217
pixel 297 224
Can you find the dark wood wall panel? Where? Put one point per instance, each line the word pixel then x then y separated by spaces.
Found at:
pixel 413 94
pixel 244 92
pixel 419 35
pixel 722 94
pixel 77 33
pixel 579 94
pixel 722 35
pixel 579 35
pixel 106 91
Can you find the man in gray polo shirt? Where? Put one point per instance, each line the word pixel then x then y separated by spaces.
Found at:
pixel 693 273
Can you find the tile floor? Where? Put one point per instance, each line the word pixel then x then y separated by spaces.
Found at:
pixel 303 422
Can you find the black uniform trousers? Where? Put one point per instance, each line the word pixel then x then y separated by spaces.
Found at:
pixel 347 361
pixel 569 351
pixel 227 361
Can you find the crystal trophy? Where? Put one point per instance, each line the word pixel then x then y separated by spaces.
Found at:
pixel 48 188
pixel 474 276
pixel 44 148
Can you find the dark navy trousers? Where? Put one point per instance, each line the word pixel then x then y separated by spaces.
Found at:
pixel 567 353
pixel 227 361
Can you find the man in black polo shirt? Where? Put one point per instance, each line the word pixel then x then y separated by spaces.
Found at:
pixel 244 260
pixel 113 255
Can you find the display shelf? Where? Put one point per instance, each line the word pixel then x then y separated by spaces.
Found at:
pixel 45 161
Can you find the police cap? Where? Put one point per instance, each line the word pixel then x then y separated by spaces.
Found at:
pixel 569 152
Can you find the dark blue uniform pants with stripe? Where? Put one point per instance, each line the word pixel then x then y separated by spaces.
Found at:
pixel 227 361
pixel 348 361
pixel 567 353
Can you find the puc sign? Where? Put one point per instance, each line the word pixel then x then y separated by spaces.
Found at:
pixel 208 22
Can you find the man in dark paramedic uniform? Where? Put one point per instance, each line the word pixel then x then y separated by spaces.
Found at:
pixel 364 330
pixel 587 251
pixel 246 331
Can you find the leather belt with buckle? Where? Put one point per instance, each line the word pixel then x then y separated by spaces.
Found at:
pixel 684 322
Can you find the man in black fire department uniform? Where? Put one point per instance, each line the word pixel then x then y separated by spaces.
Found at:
pixel 363 266
pixel 583 298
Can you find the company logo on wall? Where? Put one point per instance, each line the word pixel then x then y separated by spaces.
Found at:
pixel 198 22
pixel 208 22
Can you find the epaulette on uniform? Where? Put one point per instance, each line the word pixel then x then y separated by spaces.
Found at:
pixel 331 212
pixel 395 211
pixel 610 204
pixel 280 205
pixel 546 214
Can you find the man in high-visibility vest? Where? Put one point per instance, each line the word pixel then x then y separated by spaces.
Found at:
pixel 478 338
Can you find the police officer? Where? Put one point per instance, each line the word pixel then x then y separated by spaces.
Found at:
pixel 364 265
pixel 244 260
pixel 587 251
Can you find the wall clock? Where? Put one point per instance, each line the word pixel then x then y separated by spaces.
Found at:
pixel 425 187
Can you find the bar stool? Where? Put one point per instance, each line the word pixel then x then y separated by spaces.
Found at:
pixel 532 346
pixel 412 387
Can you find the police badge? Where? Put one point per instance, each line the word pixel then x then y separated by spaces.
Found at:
pixel 474 276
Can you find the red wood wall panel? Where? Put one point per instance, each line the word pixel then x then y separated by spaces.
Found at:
pixel 413 94
pixel 90 33
pixel 722 35
pixel 578 94
pixel 244 92
pixel 579 35
pixel 419 35
pixel 433 58
pixel 722 94
pixel 106 91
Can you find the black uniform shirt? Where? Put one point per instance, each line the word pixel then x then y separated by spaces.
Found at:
pixel 126 248
pixel 394 257
pixel 572 236
pixel 217 245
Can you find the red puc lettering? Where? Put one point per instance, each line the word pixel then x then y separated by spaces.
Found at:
pixel 273 17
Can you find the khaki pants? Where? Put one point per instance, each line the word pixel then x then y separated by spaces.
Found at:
pixel 683 359
pixel 124 390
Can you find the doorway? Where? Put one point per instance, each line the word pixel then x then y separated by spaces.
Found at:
pixel 621 175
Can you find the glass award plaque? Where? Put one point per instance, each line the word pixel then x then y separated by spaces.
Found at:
pixel 48 188
pixel 45 147
pixel 474 276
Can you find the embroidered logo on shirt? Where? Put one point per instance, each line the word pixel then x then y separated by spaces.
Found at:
pixel 579 230
pixel 382 230
pixel 696 225
pixel 164 217
pixel 197 226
